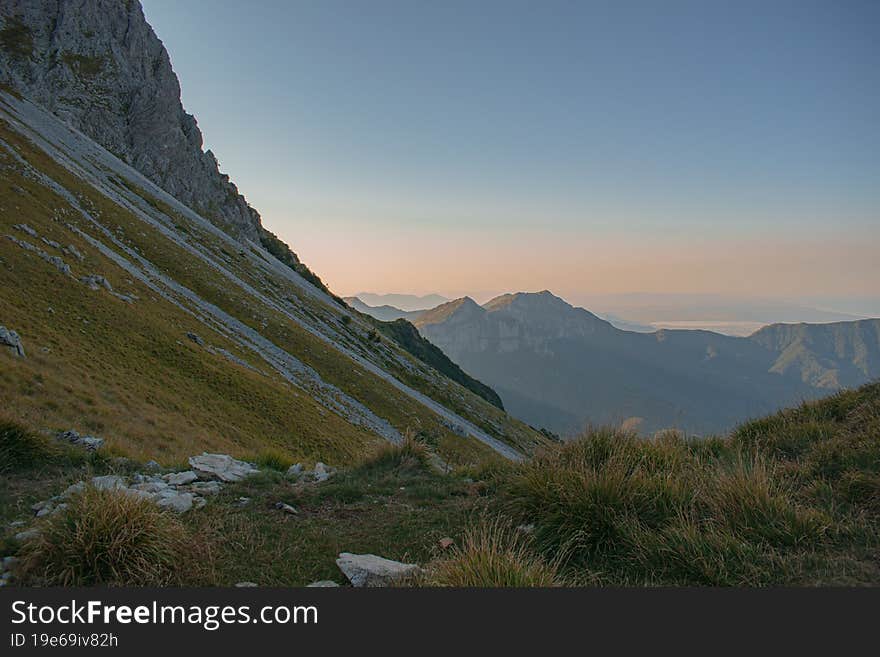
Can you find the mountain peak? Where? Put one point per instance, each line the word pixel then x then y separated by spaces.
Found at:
pixel 77 52
pixel 463 308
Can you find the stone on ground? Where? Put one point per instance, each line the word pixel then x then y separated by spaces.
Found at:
pixel 368 570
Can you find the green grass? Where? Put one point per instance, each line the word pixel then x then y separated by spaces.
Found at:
pixel 203 401
pixel 608 509
pixel 778 502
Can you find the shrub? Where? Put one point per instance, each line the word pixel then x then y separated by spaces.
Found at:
pixel 492 554
pixel 110 538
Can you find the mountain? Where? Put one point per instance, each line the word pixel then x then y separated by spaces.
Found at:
pixel 831 356
pixel 405 302
pixel 562 367
pixel 384 313
pixel 146 303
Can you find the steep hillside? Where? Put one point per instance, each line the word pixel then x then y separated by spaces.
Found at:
pixel 144 322
pixel 562 367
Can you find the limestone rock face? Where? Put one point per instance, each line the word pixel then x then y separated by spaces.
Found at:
pixel 98 65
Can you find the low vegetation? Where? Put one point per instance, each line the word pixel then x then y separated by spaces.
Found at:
pixel 791 499
pixel 110 538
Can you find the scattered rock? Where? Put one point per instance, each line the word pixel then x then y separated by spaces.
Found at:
pixel 206 487
pixel 27 534
pixel 221 466
pixel 322 583
pixel 89 442
pixel 295 471
pixel 108 482
pixel 195 338
pixel 368 570
pixel 171 499
pixel 446 543
pixel 322 471
pixel 281 506
pixel 95 282
pixel 181 478
pixel 242 501
pixel 525 529
pixel 73 489
pixel 26 229
pixel 245 585
pixel 152 465
pixel 12 340
pixel 72 250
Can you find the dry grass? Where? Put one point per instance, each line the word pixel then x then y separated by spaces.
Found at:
pixel 492 554
pixel 109 538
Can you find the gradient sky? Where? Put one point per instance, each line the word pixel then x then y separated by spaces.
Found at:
pixel 583 147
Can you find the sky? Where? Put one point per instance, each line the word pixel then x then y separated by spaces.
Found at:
pixel 583 147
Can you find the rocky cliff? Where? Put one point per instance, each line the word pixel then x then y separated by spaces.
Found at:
pixel 98 65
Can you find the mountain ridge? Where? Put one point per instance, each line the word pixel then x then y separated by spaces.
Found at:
pixel 548 358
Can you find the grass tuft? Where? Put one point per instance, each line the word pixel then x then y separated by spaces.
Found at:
pixel 492 554
pixel 108 538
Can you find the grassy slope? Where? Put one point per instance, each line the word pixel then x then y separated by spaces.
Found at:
pixel 793 498
pixel 203 401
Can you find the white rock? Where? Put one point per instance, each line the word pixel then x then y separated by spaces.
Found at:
pixel 206 487
pixel 370 570
pixel 181 478
pixel 73 489
pixel 151 487
pixel 281 506
pixel 179 502
pixel 221 466
pixel 245 585
pixel 295 470
pixel 108 482
pixel 323 583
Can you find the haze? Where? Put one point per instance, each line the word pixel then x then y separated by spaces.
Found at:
pixel 587 148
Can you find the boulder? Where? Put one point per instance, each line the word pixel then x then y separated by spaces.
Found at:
pixel 368 570
pixel 11 339
pixel 95 282
pixel 206 487
pixel 178 502
pixel 181 478
pixel 323 471
pixel 220 466
pixel 108 482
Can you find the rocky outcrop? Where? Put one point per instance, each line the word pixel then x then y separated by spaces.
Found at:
pixel 98 65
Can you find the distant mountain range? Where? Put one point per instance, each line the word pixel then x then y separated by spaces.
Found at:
pixel 562 367
pixel 404 302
